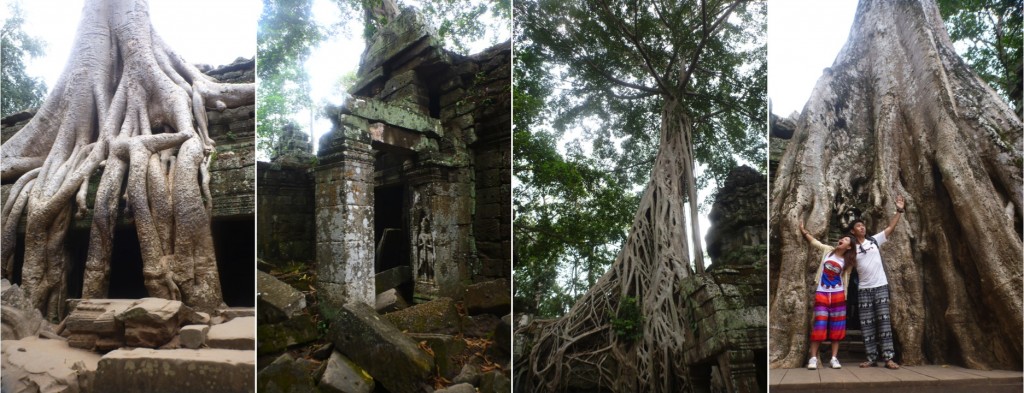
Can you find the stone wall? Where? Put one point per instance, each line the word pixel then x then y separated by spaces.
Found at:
pixel 284 222
pixel 727 305
pixel 436 126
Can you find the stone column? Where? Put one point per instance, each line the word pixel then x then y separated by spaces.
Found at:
pixel 344 219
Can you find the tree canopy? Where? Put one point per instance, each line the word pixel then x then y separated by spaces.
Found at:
pixel 988 36
pixel 603 71
pixel 20 91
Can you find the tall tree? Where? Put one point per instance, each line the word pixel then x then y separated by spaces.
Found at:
pixel 899 113
pixel 20 91
pixel 992 39
pixel 128 106
pixel 681 84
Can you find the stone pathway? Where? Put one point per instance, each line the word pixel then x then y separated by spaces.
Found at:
pixel 920 379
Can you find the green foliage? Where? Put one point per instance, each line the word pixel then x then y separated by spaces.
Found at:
pixel 285 36
pixel 591 80
pixel 988 35
pixel 20 91
pixel 628 321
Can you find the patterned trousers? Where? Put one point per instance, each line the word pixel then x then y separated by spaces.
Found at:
pixel 875 323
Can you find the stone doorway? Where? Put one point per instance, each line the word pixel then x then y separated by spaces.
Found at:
pixel 391 237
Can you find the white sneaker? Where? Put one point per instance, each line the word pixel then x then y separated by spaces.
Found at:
pixel 812 364
pixel 835 363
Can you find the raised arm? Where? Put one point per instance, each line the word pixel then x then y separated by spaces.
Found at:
pixel 900 203
pixel 814 242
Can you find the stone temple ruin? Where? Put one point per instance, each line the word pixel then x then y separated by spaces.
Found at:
pixel 727 305
pixel 131 343
pixel 405 211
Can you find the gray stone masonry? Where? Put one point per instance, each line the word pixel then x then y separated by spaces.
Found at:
pixel 344 220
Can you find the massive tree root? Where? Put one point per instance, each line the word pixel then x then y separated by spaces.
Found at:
pixel 127 105
pixel 899 113
pixel 583 350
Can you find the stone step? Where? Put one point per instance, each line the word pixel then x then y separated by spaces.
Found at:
pixel 919 379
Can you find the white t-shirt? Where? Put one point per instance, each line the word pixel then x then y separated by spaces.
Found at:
pixel 831 274
pixel 869 263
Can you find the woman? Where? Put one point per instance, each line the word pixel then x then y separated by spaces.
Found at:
pixel 830 295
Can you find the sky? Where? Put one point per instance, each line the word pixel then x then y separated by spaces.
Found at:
pixel 218 33
pixel 804 37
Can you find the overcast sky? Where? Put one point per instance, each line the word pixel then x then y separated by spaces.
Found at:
pixel 804 37
pixel 201 31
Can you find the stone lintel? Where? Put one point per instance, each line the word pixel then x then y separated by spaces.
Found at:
pixel 389 135
pixel 375 110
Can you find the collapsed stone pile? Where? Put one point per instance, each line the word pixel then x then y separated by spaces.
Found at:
pixel 446 344
pixel 126 345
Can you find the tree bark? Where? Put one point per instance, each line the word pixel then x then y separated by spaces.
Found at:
pixel 583 348
pixel 128 104
pixel 899 113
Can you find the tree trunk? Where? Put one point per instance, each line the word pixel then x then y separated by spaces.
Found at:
pixel 127 104
pixel 584 349
pixel 899 113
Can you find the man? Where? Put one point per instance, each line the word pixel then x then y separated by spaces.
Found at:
pixel 873 290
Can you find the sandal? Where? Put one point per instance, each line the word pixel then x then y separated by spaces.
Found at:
pixel 889 364
pixel 867 364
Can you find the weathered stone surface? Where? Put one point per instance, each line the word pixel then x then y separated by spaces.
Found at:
pixel 193 336
pixel 322 352
pixel 344 376
pixel 501 351
pixel 436 316
pixel 20 319
pixel 152 322
pixel 495 382
pixel 40 365
pixel 493 297
pixel 393 359
pixel 178 370
pixel 93 324
pixel 238 333
pixel 459 388
pixel 276 300
pixel 470 374
pixel 236 312
pixel 379 111
pixel 279 336
pixel 446 348
pixel 284 375
pixel 389 301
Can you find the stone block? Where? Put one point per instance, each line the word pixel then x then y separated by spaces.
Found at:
pixel 344 376
pixel 390 301
pixel 277 337
pixel 230 313
pixel 458 388
pixel 276 300
pixel 33 364
pixel 193 336
pixel 495 382
pixel 238 333
pixel 436 316
pixel 93 324
pixel 177 370
pixel 380 111
pixel 446 350
pixel 492 297
pixel 392 358
pixel 501 351
pixel 152 322
pixel 284 375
